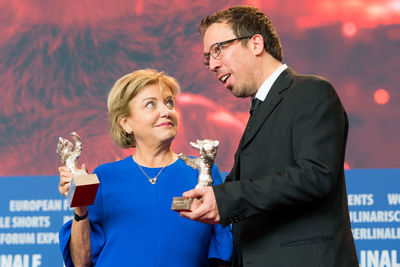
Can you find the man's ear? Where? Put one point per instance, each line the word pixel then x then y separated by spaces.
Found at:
pixel 257 44
pixel 125 125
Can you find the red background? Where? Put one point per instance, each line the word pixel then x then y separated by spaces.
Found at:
pixel 59 59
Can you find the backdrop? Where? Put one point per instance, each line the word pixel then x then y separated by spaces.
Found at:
pixel 59 59
pixel 31 216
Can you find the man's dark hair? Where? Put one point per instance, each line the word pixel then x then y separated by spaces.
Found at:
pixel 246 20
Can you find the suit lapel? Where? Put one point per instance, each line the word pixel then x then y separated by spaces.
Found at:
pixel 268 105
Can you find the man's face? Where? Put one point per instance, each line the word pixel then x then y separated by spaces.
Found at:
pixel 234 65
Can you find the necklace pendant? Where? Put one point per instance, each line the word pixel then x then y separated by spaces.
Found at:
pixel 151 180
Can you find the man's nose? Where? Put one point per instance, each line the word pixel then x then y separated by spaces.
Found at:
pixel 215 64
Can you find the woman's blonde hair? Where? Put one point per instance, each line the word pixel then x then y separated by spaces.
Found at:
pixel 126 88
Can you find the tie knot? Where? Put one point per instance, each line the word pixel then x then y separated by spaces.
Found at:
pixel 255 102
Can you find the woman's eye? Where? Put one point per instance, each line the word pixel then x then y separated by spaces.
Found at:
pixel 150 104
pixel 170 103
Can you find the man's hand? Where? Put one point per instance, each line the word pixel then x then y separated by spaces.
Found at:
pixel 206 210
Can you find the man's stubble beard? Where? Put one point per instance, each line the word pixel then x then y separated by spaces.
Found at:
pixel 244 91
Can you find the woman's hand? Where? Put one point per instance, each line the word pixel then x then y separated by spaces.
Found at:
pixel 66 178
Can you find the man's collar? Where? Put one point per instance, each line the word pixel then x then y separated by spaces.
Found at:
pixel 267 84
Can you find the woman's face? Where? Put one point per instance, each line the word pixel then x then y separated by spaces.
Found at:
pixel 153 118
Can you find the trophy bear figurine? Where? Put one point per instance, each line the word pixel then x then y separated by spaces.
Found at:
pixel 83 188
pixel 204 163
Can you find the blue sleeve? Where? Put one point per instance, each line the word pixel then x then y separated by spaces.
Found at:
pixel 216 175
pixel 221 241
pixel 97 238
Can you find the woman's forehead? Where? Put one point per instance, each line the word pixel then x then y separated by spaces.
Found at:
pixel 154 90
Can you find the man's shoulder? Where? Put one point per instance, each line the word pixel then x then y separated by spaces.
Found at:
pixel 311 80
pixel 305 84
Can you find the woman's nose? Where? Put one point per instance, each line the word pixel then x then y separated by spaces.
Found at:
pixel 165 110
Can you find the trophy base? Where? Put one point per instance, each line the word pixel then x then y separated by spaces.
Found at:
pixel 82 191
pixel 181 204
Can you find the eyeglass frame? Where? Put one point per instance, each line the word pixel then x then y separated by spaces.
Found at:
pixel 206 56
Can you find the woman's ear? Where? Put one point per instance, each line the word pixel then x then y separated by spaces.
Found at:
pixel 125 125
pixel 257 44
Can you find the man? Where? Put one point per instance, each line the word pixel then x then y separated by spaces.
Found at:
pixel 285 195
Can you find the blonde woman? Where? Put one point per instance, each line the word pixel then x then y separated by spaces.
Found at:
pixel 130 223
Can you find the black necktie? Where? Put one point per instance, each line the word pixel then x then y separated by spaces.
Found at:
pixel 255 102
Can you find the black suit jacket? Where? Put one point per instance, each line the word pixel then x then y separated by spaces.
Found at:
pixel 286 194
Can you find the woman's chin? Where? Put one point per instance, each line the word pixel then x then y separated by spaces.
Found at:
pixel 169 138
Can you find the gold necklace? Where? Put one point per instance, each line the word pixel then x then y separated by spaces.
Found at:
pixel 152 180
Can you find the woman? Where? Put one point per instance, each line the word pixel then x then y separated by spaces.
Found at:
pixel 131 223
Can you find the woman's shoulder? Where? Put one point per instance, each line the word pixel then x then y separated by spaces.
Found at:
pixel 114 166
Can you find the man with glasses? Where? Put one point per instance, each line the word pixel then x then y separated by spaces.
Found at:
pixel 285 195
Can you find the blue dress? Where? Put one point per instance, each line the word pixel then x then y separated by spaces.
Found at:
pixel 132 224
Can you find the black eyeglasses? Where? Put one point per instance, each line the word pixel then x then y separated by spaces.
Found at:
pixel 216 49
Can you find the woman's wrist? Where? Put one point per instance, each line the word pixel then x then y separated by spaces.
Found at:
pixel 78 218
pixel 81 210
